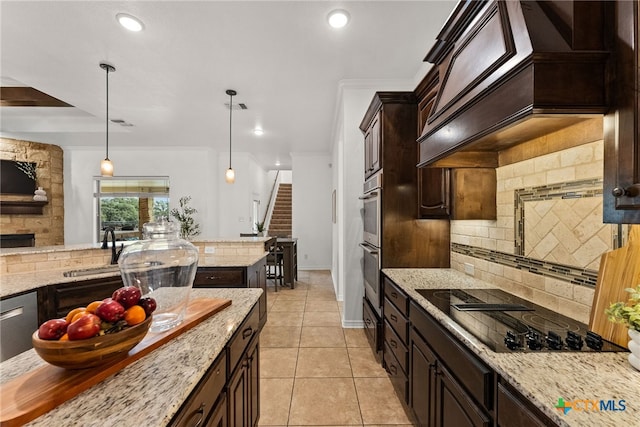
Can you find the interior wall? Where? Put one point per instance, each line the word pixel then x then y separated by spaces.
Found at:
pixel 48 228
pixel 354 97
pixel 311 209
pixel 583 229
pixel 192 172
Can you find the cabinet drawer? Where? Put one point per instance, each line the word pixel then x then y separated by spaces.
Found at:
pixel 219 277
pixel 396 374
pixel 399 350
pixel 371 325
pixel 202 399
pixel 398 322
pixel 397 296
pixel 242 337
pixel 474 375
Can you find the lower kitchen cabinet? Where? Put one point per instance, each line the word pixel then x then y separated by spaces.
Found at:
pixel 229 394
pixel 514 410
pixel 56 301
pixel 422 368
pixel 244 389
pixel 454 406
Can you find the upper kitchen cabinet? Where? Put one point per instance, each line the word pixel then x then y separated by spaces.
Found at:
pixel 372 138
pixel 622 122
pixel 510 71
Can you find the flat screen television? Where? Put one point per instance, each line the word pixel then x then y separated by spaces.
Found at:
pixel 17 177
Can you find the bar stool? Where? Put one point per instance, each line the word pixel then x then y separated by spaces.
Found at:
pixel 275 260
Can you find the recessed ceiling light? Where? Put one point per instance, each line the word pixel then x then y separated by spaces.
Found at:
pixel 258 132
pixel 130 22
pixel 278 163
pixel 338 18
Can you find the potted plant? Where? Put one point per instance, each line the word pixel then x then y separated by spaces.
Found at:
pixel 188 227
pixel 628 313
pixel 260 228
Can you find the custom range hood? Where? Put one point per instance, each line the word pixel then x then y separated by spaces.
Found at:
pixel 508 71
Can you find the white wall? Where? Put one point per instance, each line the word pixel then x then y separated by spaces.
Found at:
pixel 354 99
pixel 311 209
pixel 198 173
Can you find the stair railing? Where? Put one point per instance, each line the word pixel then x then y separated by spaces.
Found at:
pixel 269 210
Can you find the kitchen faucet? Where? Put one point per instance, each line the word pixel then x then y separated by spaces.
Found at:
pixel 115 254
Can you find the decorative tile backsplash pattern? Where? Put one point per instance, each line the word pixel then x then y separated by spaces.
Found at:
pixel 562 223
pixel 490 246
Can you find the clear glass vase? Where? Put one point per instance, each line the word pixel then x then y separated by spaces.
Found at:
pixel 163 266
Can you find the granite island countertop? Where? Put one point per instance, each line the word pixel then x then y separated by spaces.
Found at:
pixel 541 377
pixel 16 283
pixel 150 391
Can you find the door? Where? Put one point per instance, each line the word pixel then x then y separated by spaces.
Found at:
pixel 422 365
pixel 454 407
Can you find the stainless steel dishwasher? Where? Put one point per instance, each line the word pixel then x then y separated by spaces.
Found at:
pixel 18 320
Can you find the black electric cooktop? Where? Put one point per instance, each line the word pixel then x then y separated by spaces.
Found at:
pixel 507 323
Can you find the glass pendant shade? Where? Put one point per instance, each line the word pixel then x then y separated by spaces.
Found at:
pixel 106 168
pixel 230 176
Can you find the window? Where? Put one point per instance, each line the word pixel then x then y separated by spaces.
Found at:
pixel 127 202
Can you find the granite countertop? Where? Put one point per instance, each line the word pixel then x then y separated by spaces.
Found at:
pixel 16 283
pixel 150 391
pixel 541 377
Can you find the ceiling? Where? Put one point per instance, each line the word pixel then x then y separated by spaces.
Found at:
pixel 282 58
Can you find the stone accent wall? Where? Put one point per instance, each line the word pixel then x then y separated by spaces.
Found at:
pixel 48 227
pixel 492 246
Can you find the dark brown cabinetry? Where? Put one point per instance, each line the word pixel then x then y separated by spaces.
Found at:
pixel 542 68
pixel 56 301
pixel 460 386
pixel 462 189
pixel 622 122
pixel 514 410
pixel 229 393
pixel 396 337
pixel 201 401
pixel 244 389
pixel 372 147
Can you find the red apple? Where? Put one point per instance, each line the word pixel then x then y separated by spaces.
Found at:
pixel 128 296
pixel 149 305
pixel 52 329
pixel 110 311
pixel 87 326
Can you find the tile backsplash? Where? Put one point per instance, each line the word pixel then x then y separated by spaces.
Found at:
pixel 546 242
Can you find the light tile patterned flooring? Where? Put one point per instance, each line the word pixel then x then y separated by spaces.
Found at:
pixel 314 372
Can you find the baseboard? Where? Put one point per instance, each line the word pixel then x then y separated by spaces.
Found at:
pixel 353 324
pixel 300 268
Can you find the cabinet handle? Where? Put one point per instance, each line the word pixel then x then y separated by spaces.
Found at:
pixel 393 369
pixel 631 191
pixel 393 317
pixel 11 313
pixel 200 413
pixel 393 344
pixel 247 332
pixel 394 295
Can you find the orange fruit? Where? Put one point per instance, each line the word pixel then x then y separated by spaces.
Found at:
pixel 77 316
pixel 91 308
pixel 65 337
pixel 73 312
pixel 134 315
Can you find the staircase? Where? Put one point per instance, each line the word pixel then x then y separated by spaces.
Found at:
pixel 280 224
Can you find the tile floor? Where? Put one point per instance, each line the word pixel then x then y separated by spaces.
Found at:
pixel 314 372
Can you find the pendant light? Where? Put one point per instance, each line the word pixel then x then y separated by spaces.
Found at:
pixel 230 176
pixel 106 166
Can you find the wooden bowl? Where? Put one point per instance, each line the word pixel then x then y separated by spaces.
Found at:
pixel 91 352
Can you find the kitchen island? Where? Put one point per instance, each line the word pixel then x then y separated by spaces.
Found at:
pixel 541 378
pixel 152 390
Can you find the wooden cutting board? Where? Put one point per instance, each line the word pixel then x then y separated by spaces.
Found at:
pixel 619 269
pixel 30 395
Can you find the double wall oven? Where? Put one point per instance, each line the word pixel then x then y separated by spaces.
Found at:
pixel 372 256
